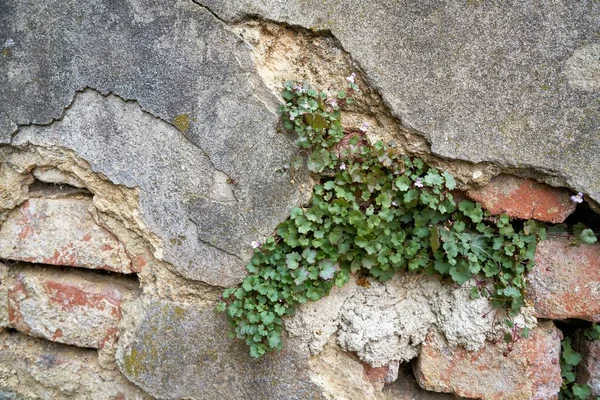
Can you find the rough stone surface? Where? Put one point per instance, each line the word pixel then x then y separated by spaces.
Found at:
pixel 36 369
pixel 341 376
pixel 61 231
pixel 386 322
pixel 565 282
pixel 204 223
pixel 524 199
pixel 204 152
pixel 13 188
pixel 588 371
pixel 56 176
pixel 76 308
pixel 175 351
pixel 159 117
pixel 511 83
pixel 4 274
pixel 530 371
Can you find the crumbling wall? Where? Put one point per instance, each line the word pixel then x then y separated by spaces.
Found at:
pixel 140 155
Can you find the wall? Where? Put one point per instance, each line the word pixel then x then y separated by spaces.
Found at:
pixel 140 155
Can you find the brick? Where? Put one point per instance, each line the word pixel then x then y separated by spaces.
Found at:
pixel 565 281
pixel 4 271
pixel 588 370
pixel 32 368
pixel 530 371
pixel 524 199
pixel 379 376
pixel 71 307
pixel 61 231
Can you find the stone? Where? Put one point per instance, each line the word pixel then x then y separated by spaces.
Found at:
pixel 181 350
pixel 530 371
pixel 61 231
pixel 459 75
pixel 75 308
pixel 386 322
pixel 588 370
pixel 56 176
pixel 524 199
pixel 341 375
pixel 13 188
pixel 4 274
pixel 406 388
pixel 379 376
pixel 163 97
pixel 565 281
pixel 36 369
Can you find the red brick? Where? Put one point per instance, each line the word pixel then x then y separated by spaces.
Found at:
pixel 379 376
pixel 530 371
pixel 524 199
pixel 565 282
pixel 73 307
pixel 588 370
pixel 36 369
pixel 61 231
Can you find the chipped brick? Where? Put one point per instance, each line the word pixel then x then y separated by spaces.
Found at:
pixel 530 371
pixel 73 307
pixel 565 281
pixel 61 231
pixel 524 199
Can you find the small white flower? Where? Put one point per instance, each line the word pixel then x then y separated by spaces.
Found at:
pixel 343 166
pixel 332 102
pixel 351 77
pixel 578 198
pixel 418 183
pixel 9 42
pixel 364 127
pixel 255 244
pixel 292 118
pixel 299 88
pixel 394 203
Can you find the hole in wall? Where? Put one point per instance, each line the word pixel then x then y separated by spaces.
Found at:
pixel 66 269
pixel 571 325
pixel 584 214
pixel 44 189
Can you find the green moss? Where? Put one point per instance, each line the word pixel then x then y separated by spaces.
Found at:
pixel 132 364
pixel 179 312
pixel 182 122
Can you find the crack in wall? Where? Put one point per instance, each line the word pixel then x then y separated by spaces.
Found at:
pixel 412 141
pixel 211 244
pixel 106 94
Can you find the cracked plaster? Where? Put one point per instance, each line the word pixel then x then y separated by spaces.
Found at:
pixel 512 84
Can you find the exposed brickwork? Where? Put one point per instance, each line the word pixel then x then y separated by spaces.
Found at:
pixel 61 231
pixel 379 376
pixel 36 369
pixel 565 282
pixel 77 308
pixel 524 199
pixel 588 370
pixel 530 371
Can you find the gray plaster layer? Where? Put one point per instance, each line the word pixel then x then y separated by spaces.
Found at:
pixel 176 351
pixel 514 83
pixel 205 227
pixel 388 321
pixel 216 182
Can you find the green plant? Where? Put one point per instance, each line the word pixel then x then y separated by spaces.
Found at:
pixel 373 212
pixel 569 359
